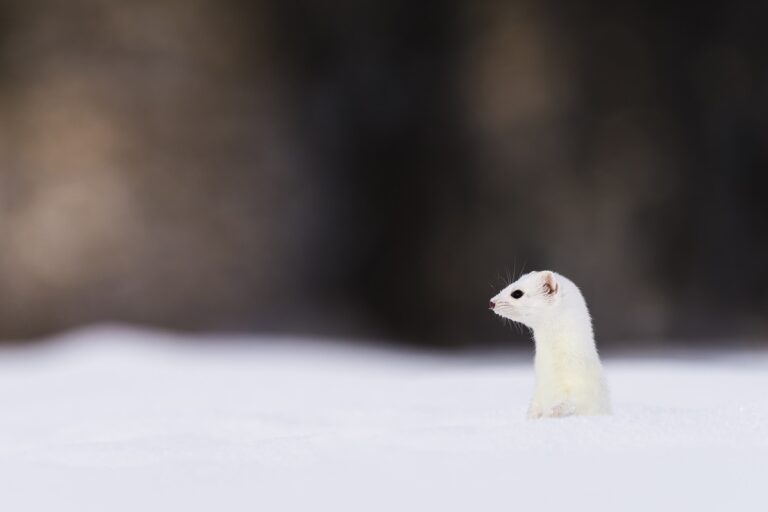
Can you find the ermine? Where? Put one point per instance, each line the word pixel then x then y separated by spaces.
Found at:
pixel 569 376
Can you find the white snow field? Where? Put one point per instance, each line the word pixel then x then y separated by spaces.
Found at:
pixel 112 419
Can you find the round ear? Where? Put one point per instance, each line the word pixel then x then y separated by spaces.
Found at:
pixel 550 282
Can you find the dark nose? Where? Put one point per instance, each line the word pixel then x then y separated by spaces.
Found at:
pixel 491 305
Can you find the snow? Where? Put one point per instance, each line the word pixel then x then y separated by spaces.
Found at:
pixel 121 419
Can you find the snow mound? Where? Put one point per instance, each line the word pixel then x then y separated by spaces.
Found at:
pixel 120 419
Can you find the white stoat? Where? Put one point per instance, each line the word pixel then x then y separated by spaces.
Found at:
pixel 569 377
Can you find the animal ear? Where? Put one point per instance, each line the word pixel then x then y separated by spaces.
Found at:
pixel 550 283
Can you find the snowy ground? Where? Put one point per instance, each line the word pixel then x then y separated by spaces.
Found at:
pixel 116 419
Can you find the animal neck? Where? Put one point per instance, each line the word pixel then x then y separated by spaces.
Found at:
pixel 565 340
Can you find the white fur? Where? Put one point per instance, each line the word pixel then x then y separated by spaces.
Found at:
pixel 569 377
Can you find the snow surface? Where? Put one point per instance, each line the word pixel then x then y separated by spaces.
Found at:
pixel 110 419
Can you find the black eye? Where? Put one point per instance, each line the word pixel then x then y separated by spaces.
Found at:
pixel 517 294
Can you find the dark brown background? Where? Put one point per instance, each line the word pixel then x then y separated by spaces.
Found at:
pixel 377 168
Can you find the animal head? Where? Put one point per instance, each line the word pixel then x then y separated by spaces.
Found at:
pixel 531 299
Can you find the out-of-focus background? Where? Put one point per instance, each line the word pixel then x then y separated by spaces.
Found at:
pixel 380 169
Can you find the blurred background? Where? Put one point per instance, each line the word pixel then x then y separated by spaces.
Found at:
pixel 378 170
